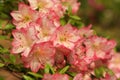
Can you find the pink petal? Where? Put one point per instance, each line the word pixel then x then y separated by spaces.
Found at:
pixel 40 55
pixel 35 65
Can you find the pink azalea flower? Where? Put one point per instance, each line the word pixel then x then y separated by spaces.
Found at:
pixel 85 32
pixel 42 5
pixel 45 29
pixel 114 64
pixel 23 16
pixel 59 9
pixel 60 57
pixel 40 55
pixel 77 64
pixel 56 76
pixel 77 58
pixel 79 49
pixel 65 36
pixel 98 47
pixel 23 40
pixel 54 17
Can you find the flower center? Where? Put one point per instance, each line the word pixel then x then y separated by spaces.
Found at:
pixel 27 18
pixel 63 38
pixel 41 4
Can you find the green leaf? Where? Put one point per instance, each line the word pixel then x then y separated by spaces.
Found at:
pixel 3 50
pixel 75 17
pixel 62 71
pixel 9 26
pixel 1 65
pixel 51 69
pixel 79 24
pixel 47 69
pixel 12 58
pixel 3 37
pixel 35 75
pixel 109 71
pixel 99 72
pixel 27 77
pixel 71 74
pixel 69 10
pixel 63 21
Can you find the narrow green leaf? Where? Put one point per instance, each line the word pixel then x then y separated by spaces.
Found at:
pixel 99 72
pixel 71 74
pixel 62 71
pixel 51 69
pixel 63 21
pixel 27 77
pixel 3 50
pixel 9 26
pixel 47 69
pixel 35 75
pixel 69 10
pixel 12 58
pixel 75 17
pixel 1 65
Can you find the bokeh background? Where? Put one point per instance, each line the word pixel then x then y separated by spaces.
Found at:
pixel 104 15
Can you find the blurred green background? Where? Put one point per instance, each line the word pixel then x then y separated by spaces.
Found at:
pixel 104 15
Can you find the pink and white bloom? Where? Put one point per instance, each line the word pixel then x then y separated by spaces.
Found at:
pixel 65 36
pixel 55 76
pixel 60 55
pixel 85 32
pixel 114 64
pixel 23 40
pixel 99 47
pixel 42 5
pixel 54 17
pixel 45 29
pixel 40 55
pixel 23 16
pixel 77 64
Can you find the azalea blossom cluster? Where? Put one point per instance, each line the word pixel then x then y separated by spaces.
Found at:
pixel 41 39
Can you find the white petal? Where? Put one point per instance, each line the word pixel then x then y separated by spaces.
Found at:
pixel 18 49
pixel 19 36
pixel 17 15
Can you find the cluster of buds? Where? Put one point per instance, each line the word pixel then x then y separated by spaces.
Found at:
pixel 41 39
